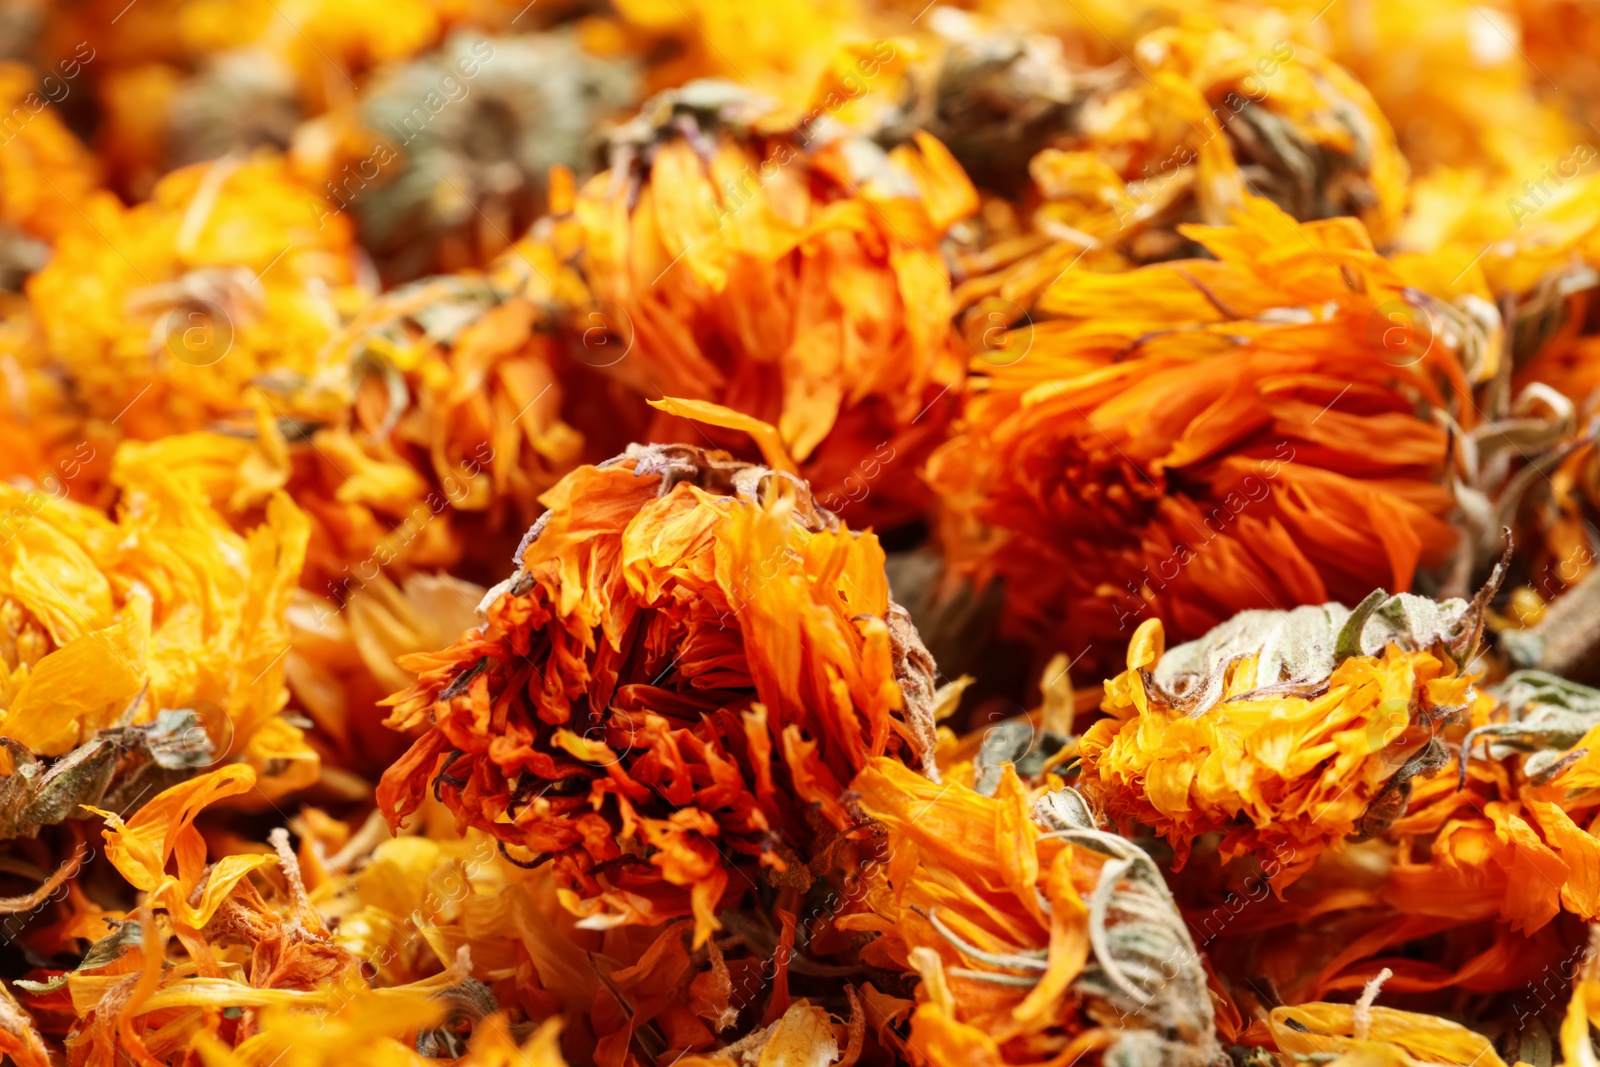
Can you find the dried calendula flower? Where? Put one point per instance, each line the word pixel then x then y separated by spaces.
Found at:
pixel 1207 116
pixel 460 183
pixel 777 264
pixel 164 314
pixel 434 417
pixel 1490 872
pixel 1255 113
pixel 157 117
pixel 1035 933
pixel 690 662
pixel 1465 86
pixel 995 96
pixel 188 82
pixel 215 943
pixel 1193 439
pixel 419 443
pixel 1498 849
pixel 1187 125
pixel 1288 731
pixel 109 622
pixel 236 958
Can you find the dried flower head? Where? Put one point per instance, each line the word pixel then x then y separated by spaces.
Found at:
pixel 163 314
pixel 776 264
pixel 1039 936
pixel 670 693
pixel 110 622
pixel 435 414
pixel 474 130
pixel 1192 439
pixel 1288 731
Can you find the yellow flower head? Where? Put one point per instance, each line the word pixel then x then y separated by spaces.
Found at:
pixel 112 620
pixel 1287 731
pixel 164 313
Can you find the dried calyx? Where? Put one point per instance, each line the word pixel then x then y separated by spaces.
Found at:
pixel 995 98
pixel 697 111
pixel 1547 717
pixel 1297 650
pixel 116 769
pixel 1147 980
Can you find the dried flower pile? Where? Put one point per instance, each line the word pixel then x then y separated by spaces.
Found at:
pixel 803 534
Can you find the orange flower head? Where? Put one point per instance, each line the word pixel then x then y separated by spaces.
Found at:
pixel 749 257
pixel 1288 732
pixel 691 661
pixel 438 406
pixel 1209 116
pixel 1491 865
pixel 1036 934
pixel 1507 827
pixel 1099 168
pixel 1193 439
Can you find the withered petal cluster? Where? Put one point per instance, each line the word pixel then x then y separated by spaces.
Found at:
pixel 672 691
